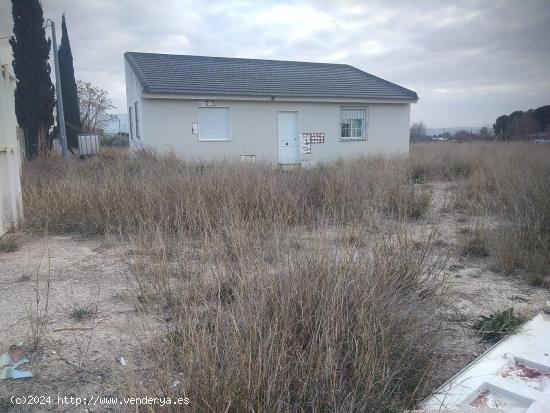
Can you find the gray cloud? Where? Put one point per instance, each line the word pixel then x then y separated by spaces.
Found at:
pixel 468 60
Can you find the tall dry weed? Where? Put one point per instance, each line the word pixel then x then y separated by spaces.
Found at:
pixel 118 193
pixel 505 180
pixel 320 329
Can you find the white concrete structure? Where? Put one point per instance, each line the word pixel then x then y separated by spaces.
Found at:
pixel 10 159
pixel 265 111
pixel 513 376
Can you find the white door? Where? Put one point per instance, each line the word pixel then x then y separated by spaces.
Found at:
pixel 289 142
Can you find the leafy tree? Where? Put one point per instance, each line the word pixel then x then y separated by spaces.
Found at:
pixel 68 89
pixel 542 116
pixel 519 124
pixel 501 127
pixel 484 133
pixel 94 103
pixel 34 92
pixel 522 124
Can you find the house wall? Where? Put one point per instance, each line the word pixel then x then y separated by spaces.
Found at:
pixel 10 158
pixel 166 125
pixel 133 95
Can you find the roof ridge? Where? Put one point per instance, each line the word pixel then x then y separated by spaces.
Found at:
pixel 237 58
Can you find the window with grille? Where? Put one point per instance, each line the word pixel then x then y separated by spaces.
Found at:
pixel 353 124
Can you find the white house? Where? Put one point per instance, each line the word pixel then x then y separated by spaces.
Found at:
pixel 10 159
pixel 214 108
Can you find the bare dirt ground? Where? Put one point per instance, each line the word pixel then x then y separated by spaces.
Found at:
pixel 89 323
pixel 474 288
pixel 91 320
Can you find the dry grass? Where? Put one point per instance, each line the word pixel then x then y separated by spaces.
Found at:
pixel 474 243
pixel 122 193
pixel 508 181
pixel 293 291
pixel 82 313
pixel 8 243
pixel 319 329
pixel 445 161
pixel 263 313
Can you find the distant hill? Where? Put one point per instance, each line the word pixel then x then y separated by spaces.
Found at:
pixel 439 131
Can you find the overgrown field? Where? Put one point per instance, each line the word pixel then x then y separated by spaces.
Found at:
pixel 302 290
pixel 506 181
pixel 119 192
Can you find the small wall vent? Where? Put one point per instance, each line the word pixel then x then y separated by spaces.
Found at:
pixel 248 158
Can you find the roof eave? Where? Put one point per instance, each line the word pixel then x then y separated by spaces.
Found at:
pixel 275 98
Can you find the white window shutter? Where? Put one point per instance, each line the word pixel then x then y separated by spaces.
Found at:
pixel 214 124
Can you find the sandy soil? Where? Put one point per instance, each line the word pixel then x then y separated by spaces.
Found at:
pixel 90 274
pixel 474 288
pixel 76 356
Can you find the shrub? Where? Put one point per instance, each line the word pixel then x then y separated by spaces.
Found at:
pixel 82 313
pixel 8 243
pixel 474 243
pixel 114 141
pixel 322 332
pixel 494 327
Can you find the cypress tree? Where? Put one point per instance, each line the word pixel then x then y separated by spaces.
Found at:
pixel 34 92
pixel 68 88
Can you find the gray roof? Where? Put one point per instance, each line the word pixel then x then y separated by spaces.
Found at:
pixel 202 75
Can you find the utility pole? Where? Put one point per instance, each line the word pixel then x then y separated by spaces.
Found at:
pixel 59 95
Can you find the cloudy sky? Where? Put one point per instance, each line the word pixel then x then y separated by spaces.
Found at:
pixel 469 61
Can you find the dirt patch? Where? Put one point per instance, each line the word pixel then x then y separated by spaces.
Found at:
pixel 75 355
pixel 474 288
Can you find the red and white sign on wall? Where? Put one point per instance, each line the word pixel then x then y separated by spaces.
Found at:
pixel 309 138
pixel 316 137
pixel 305 144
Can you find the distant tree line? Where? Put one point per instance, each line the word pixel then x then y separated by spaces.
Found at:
pixel 519 124
pixel 483 134
pixel 418 133
pixel 516 125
